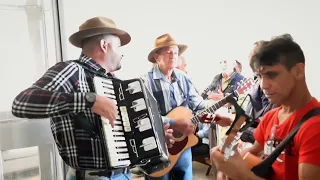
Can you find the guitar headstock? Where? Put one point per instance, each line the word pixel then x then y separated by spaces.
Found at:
pixel 245 86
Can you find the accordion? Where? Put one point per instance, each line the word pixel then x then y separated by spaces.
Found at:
pixel 137 138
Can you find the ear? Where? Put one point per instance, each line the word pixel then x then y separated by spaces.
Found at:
pixel 103 45
pixel 299 71
pixel 155 55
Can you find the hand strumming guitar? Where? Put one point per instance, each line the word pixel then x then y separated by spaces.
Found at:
pixel 234 168
pixel 168 135
pixel 185 127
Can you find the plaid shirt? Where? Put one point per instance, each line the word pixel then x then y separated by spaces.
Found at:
pixel 59 95
pixel 162 86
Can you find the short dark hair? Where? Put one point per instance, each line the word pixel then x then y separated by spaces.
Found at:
pixel 256 49
pixel 238 63
pixel 279 50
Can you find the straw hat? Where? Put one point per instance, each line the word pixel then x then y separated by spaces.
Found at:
pixel 165 41
pixel 98 26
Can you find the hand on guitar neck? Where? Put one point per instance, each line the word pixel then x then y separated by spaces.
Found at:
pixel 217 119
pixel 216 96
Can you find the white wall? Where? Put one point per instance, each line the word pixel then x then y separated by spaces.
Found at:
pixel 27 46
pixel 213 30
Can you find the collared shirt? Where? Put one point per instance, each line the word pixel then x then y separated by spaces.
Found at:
pixel 179 80
pixel 225 81
pixel 216 83
pixel 60 94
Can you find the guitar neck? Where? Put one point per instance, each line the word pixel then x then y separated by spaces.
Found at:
pixel 211 109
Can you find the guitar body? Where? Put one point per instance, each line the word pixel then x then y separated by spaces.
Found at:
pixel 181 142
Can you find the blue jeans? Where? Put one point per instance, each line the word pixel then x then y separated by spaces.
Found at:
pixel 182 170
pixel 115 177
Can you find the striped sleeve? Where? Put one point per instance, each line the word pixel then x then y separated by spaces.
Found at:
pixel 52 95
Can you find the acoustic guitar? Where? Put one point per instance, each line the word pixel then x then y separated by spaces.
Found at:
pixel 180 113
pixel 230 142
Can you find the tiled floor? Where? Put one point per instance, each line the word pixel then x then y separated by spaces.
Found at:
pixel 199 173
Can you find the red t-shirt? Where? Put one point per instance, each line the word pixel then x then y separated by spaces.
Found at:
pixel 306 143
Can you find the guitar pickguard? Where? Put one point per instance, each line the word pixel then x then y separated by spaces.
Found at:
pixel 178 146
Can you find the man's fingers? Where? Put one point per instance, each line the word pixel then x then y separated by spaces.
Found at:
pixel 111 123
pixel 209 116
pixel 216 154
pixel 171 142
pixel 166 126
pixel 221 176
pixel 169 135
pixel 169 131
pixel 214 118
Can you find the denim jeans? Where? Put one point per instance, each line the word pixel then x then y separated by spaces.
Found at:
pixel 182 170
pixel 115 177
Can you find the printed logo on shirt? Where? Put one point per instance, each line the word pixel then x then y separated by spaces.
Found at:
pixel 270 146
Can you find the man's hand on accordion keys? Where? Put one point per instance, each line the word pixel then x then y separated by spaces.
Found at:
pixel 105 107
pixel 169 136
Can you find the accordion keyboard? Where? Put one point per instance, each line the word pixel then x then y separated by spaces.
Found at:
pixel 117 144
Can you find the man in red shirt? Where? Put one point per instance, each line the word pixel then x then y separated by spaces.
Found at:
pixel 280 65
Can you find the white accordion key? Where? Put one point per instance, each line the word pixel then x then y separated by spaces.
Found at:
pixel 110 96
pixel 138 105
pixel 126 123
pixel 106 81
pixel 144 124
pixel 117 133
pixel 110 86
pixel 127 129
pixel 125 119
pixel 134 87
pixel 120 163
pixel 114 101
pixel 149 144
pixel 108 91
pixel 104 87
pixel 114 137
pixel 117 122
pixel 123 109
pixel 120 156
pixel 118 128
pixel 119 138
pixel 121 144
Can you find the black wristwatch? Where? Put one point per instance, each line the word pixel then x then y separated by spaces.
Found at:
pixel 90 98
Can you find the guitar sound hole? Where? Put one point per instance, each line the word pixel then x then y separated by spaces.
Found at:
pixel 177 134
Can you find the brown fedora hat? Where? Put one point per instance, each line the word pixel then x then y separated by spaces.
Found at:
pixel 97 26
pixel 162 41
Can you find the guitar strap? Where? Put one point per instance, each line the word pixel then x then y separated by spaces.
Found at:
pixel 265 166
